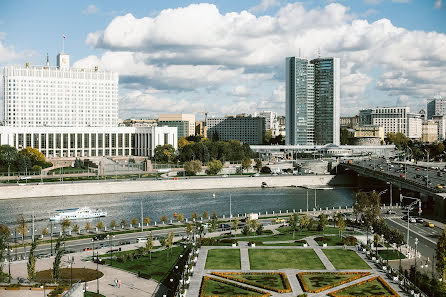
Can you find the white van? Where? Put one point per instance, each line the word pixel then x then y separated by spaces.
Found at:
pixel 141 240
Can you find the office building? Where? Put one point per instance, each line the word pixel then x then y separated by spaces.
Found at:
pixel 68 112
pixel 185 123
pixel 137 123
pixel 436 106
pixel 271 121
pixel 60 96
pixel 429 132
pixel 369 131
pixel 441 123
pixel 393 119
pixel 414 126
pixel 312 101
pixel 246 129
pixel 349 122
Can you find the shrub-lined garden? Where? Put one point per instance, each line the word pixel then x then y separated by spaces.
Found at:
pixel 315 282
pixel 375 286
pixel 274 281
pixel 273 259
pixel 211 287
pixel 345 259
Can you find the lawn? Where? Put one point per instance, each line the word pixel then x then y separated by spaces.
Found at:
pixel 295 243
pixel 345 259
pixel 330 240
pixel 157 268
pixel 223 259
pixel 372 287
pixel 286 233
pixel 273 259
pixel 274 281
pixel 214 287
pixel 391 254
pixel 315 282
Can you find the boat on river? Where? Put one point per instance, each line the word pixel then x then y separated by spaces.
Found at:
pixel 78 214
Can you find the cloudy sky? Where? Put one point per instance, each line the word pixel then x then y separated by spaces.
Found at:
pixel 228 56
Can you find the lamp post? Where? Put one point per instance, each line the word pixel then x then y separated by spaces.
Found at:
pixel 51 237
pixel 417 200
pixel 416 244
pixel 389 183
pixel 97 267
pixel 110 242
pixel 71 263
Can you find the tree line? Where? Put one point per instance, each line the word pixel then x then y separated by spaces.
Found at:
pixel 27 159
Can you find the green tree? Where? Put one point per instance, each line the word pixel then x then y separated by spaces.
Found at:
pixel 8 155
pixel 24 163
pixel 147 221
pixel 366 206
pixel 259 229
pixel 345 136
pixel 246 163
pixel 100 225
pixel 214 224
pixel 88 227
pixel 44 232
pixel 322 222
pixel 59 253
pixel 192 167
pixel 65 224
pixel 398 139
pixel 31 265
pixel 292 222
pixel 441 255
pixel 268 136
pixel 4 235
pixel 245 230
pixel 214 167
pixel 205 215
pixel 164 153
pixel 304 222
pixel 134 222
pixel 76 228
pixel 235 223
pixel 123 223
pixel 169 242
pixel 113 224
pixel 180 217
pixel 195 216
pixel 341 225
pixel 254 225
pixel 22 228
pixel 189 229
pixel 258 165
pixel 163 241
pixel 150 245
pixel 164 219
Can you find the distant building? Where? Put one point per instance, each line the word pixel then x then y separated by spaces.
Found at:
pixel 423 115
pixel 393 119
pixel 365 117
pixel 271 122
pixel 436 106
pixel 138 123
pixel 429 132
pixel 349 122
pixel 200 128
pixel 185 123
pixel 282 125
pixel 312 101
pixel 249 130
pixel 414 126
pixel 370 131
pixel 441 123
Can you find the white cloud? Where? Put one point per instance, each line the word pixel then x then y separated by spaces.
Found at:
pixel 264 5
pixel 91 9
pixel 240 91
pixel 197 47
pixel 375 2
pixel 437 4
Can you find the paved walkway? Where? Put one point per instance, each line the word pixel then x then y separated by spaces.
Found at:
pixel 317 249
pixel 244 259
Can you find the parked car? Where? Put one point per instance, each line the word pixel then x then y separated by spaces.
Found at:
pixel 279 221
pixel 430 225
pixel 402 175
pixel 439 174
pixel 412 220
pixel 439 186
pixel 420 220
pixel 391 212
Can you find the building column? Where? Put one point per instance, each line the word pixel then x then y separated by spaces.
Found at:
pixel 75 145
pixel 103 144
pixel 82 144
pixel 47 144
pixel 54 145
pixel 96 143
pixel 89 144
pixel 69 145
pixel 32 140
pixel 40 142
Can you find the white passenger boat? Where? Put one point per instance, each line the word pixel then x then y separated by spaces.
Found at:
pixel 77 214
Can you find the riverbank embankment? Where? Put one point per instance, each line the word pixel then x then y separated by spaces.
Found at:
pixel 119 186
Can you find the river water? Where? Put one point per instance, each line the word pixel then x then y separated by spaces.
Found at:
pixel 156 204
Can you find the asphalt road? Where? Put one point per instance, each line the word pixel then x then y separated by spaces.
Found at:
pixel 422 175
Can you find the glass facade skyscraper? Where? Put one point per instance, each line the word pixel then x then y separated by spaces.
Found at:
pixel 312 101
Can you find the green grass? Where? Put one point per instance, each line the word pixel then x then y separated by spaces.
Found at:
pixel 262 280
pixel 160 264
pixel 216 288
pixel 345 259
pixel 391 254
pixel 273 259
pixel 223 259
pixel 295 243
pixel 318 280
pixel 286 233
pixel 92 294
pixel 330 240
pixel 372 288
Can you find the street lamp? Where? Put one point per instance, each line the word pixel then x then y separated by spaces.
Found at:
pixel 97 267
pixel 416 244
pixel 417 200
pixel 110 242
pixel 389 183
pixel 71 263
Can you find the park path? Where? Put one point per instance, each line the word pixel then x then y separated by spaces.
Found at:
pixel 317 249
pixel 195 282
pixel 244 258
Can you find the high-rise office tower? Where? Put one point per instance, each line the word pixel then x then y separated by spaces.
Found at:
pixel 312 101
pixel 436 106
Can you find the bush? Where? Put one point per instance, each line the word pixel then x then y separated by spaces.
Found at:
pixel 302 295
pixel 36 168
pixel 265 169
pixel 323 239
pixel 350 240
pixel 245 230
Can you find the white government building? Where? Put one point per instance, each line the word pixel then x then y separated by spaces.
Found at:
pixel 69 112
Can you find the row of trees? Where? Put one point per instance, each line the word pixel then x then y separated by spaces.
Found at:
pixel 27 159
pixel 215 166
pixel 436 150
pixel 198 148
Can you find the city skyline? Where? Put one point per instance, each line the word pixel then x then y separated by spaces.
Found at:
pixel 230 59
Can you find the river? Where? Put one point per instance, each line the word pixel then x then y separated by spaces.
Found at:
pixel 156 204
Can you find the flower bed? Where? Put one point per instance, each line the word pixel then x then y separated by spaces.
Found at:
pixel 378 278
pixel 257 293
pixel 355 275
pixel 283 277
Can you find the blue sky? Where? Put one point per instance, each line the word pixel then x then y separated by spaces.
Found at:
pixel 228 56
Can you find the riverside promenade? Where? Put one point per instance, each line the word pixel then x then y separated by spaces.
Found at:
pixel 202 183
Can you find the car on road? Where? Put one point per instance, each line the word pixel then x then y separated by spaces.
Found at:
pixel 402 175
pixel 439 186
pixel 420 220
pixel 404 218
pixel 412 220
pixel 225 226
pixel 439 174
pixel 417 169
pixel 224 175
pixel 391 212
pixel 430 225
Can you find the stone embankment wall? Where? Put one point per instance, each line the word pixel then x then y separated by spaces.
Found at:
pixel 92 188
